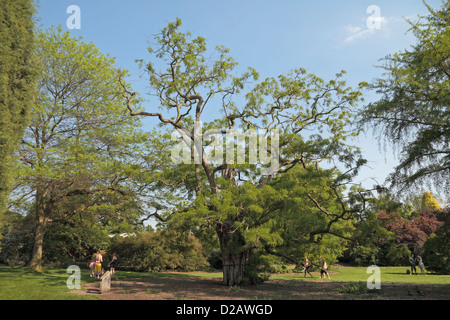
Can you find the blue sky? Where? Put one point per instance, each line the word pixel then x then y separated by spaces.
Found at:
pixel 274 37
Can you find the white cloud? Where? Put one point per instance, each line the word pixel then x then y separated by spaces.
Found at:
pixel 353 29
pixel 367 30
pixel 355 33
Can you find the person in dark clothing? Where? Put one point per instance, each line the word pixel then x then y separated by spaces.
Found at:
pixel 412 261
pixel 113 264
pixel 323 268
pixel 307 267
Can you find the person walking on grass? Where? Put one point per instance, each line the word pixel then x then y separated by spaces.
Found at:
pixel 307 267
pixel 113 264
pixel 323 268
pixel 421 265
pixel 412 262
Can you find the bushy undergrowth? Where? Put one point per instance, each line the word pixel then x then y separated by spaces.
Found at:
pixel 159 251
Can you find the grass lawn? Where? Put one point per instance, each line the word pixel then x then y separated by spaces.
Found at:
pixel 344 274
pixel 21 284
pixel 387 275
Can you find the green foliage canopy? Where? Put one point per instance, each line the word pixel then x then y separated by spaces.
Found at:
pixel 246 208
pixel 413 111
pixel 18 75
pixel 79 151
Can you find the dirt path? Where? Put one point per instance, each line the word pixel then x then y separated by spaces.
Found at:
pixel 195 288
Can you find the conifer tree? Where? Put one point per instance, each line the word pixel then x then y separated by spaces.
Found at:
pixel 413 111
pixel 17 80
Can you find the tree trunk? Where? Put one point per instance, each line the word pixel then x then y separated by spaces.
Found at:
pixel 235 256
pixel 235 267
pixel 36 260
pixel 41 219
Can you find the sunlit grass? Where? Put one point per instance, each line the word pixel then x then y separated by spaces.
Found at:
pixel 22 284
pixel 357 274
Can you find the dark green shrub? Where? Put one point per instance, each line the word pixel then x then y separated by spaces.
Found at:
pixel 215 260
pixel 158 251
pixel 436 253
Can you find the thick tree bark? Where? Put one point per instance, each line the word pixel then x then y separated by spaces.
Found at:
pixel 36 260
pixel 41 223
pixel 236 256
pixel 235 267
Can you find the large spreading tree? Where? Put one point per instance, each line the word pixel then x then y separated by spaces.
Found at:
pixel 75 157
pixel 289 200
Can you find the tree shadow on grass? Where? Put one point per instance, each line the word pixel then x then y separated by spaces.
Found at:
pixel 200 288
